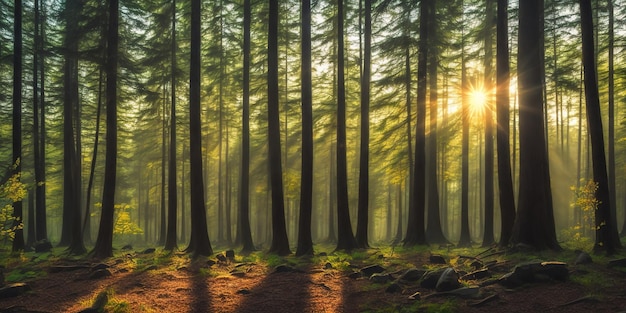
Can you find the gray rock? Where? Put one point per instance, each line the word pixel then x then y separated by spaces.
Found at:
pixel 230 254
pixel 127 247
pixel 437 259
pixel 412 274
pixel 221 258
pixel 328 266
pixel 393 288
pixel 13 290
pixel 100 274
pixel 283 269
pixel 148 251
pixel 583 258
pixel 449 280
pixel 380 278
pixel 372 269
pixel 430 278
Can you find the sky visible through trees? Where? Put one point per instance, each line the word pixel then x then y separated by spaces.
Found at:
pixel 244 92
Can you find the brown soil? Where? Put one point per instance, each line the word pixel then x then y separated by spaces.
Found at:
pixel 193 287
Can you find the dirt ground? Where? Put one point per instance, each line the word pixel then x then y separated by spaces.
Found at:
pixel 256 287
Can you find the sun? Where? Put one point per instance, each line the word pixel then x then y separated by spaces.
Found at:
pixel 477 98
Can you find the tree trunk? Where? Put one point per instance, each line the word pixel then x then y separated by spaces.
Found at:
pixel 488 238
pixel 534 223
pixel 415 234
pixel 465 240
pixel 505 181
pixel 603 223
pixel 345 239
pixel 305 240
pixel 363 208
pixel 243 230
pixel 104 242
pixel 280 241
pixel 172 196
pixel 199 243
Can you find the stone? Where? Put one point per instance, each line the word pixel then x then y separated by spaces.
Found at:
pixel 372 269
pixel 449 280
pixel 221 258
pixel 13 290
pixel 230 254
pixel 437 259
pixel 380 278
pixel 466 292
pixel 210 263
pixel 583 258
pixel 43 246
pixel 412 274
pixel 618 262
pixel 99 266
pixel 554 270
pixel 393 288
pixel 430 278
pixel 148 251
pixel 283 269
pixel 354 275
pixel 328 266
pixel 127 247
pixel 100 274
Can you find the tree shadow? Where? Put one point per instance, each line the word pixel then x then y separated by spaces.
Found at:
pixel 279 291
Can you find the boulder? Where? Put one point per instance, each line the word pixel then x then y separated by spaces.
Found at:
pixel 430 278
pixel 100 274
pixel 412 274
pixel 449 280
pixel 148 251
pixel 43 246
pixel 127 247
pixel 437 259
pixel 583 258
pixel 13 290
pixel 393 288
pixel 380 278
pixel 372 269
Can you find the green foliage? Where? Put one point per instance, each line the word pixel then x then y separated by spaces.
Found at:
pixel 124 225
pixel 11 191
pixel 579 236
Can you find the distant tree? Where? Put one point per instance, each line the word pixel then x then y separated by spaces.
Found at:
pixel 39 216
pixel 199 243
pixel 604 224
pixel 415 233
pixel 104 242
pixel 434 232
pixel 465 240
pixel 534 223
pixel 280 242
pixel 305 241
pixel 71 234
pixel 18 240
pixel 505 181
pixel 488 237
pixel 244 234
pixel 172 195
pixel 345 236
pixel 611 121
pixel 362 239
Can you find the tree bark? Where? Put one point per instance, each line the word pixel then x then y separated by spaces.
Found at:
pixel 305 240
pixel 280 241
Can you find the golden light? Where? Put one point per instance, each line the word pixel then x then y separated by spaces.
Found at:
pixel 477 98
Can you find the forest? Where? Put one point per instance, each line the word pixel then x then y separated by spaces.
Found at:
pixel 282 129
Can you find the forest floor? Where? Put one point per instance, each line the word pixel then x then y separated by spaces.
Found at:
pixel 156 281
